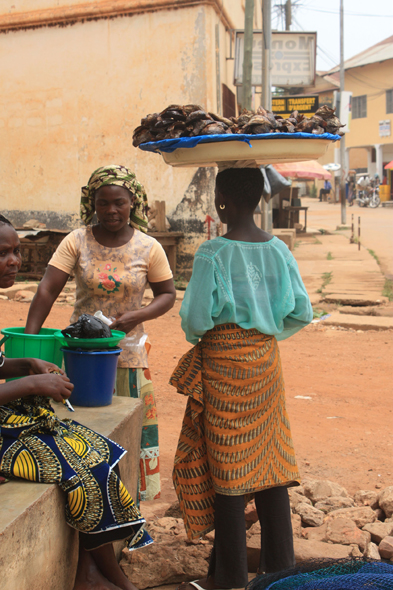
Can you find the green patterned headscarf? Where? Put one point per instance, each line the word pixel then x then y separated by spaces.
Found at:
pixel 120 176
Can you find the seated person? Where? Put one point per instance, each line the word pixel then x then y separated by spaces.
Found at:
pixel 36 445
pixel 325 190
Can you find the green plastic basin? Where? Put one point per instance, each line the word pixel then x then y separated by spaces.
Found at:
pixel 42 346
pixel 90 343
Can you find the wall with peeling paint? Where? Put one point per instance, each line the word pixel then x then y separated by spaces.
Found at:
pixel 70 97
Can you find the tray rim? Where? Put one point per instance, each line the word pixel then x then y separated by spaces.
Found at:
pixel 170 145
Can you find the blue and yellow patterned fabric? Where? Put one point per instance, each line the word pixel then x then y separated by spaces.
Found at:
pixel 37 446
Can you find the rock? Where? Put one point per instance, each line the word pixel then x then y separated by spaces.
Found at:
pixel 174 511
pixel 345 532
pixel 296 525
pixel 153 510
pixel 305 550
pixel 4 297
pixel 296 499
pixel 372 552
pixel 385 501
pixel 366 498
pixel 315 533
pixel 379 513
pixel 253 547
pixel 296 490
pixel 334 503
pixel 24 296
pixel 356 551
pixel 250 514
pixel 171 559
pixel 360 515
pixel 168 563
pixel 386 548
pixel 389 519
pixel 320 489
pixel 309 514
pixel 379 530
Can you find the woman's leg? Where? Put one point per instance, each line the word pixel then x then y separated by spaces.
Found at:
pixel 105 560
pixel 88 576
pixel 274 513
pixel 228 562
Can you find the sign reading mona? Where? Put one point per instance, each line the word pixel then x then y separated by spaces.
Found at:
pixel 285 105
pixel 293 58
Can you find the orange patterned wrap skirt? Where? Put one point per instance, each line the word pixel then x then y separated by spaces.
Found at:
pixel 236 437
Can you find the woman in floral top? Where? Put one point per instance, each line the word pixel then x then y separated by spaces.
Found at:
pixel 113 261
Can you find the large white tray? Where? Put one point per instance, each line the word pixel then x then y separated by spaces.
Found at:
pixel 263 151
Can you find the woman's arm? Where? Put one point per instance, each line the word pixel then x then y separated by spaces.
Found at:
pixel 164 293
pixel 48 290
pixel 40 380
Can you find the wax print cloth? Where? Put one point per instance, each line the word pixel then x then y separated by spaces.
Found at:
pixel 236 437
pixel 37 446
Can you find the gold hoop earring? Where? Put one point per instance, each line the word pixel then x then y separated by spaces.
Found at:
pixel 222 206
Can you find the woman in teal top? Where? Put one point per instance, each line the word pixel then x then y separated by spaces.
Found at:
pixel 254 285
pixel 245 293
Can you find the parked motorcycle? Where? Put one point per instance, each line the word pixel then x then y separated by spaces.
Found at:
pixel 368 192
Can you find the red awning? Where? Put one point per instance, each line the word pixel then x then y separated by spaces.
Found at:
pixel 389 166
pixel 308 170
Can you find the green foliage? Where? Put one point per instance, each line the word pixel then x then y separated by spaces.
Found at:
pixel 329 256
pixel 313 192
pixel 388 289
pixel 326 279
pixel 374 255
pixel 318 313
pixel 180 283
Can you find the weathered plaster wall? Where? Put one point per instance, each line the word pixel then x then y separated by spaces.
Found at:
pixel 71 96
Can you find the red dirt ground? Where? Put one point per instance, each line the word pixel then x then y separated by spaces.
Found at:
pixel 343 433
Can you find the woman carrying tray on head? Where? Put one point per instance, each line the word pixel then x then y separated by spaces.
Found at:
pixel 245 293
pixel 36 445
pixel 112 262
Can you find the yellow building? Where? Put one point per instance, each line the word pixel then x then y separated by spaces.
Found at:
pixel 369 76
pixel 76 78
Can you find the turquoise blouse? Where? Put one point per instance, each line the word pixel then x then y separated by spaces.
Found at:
pixel 254 285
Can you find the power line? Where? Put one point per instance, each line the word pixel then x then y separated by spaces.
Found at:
pixel 305 7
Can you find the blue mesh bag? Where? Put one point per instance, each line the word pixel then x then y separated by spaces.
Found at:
pixel 328 574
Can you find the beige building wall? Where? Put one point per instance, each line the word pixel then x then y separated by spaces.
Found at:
pixel 72 94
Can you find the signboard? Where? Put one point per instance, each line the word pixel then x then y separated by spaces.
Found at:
pixel 285 105
pixel 293 58
pixel 384 128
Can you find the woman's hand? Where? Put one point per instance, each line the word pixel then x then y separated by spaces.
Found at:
pixel 58 387
pixel 127 321
pixel 39 367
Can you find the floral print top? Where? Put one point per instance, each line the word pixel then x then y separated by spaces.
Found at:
pixel 113 280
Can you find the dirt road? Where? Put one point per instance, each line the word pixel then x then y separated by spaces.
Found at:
pixel 343 432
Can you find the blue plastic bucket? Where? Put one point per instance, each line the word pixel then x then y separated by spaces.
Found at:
pixel 93 374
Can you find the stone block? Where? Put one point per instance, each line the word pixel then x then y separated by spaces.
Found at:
pixel 334 503
pixel 309 515
pixel 344 531
pixel 372 552
pixel 305 550
pixel 38 550
pixel 359 515
pixel 366 498
pixel 320 489
pixel 385 501
pixel 379 530
pixel 386 548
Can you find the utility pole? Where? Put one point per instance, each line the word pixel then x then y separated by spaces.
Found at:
pixel 266 94
pixel 247 58
pixel 288 15
pixel 342 141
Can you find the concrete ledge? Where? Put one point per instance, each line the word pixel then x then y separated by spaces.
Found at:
pixel 38 550
pixel 359 322
pixel 287 235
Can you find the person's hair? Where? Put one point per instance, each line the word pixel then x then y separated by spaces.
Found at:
pixel 5 221
pixel 242 186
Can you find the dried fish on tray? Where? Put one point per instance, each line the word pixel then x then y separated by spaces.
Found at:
pixel 178 128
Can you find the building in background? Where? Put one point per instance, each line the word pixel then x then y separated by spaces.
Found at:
pixel 77 77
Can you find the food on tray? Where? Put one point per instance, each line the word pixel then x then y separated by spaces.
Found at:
pixel 191 120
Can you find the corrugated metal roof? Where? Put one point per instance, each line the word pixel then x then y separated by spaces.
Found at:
pixel 379 52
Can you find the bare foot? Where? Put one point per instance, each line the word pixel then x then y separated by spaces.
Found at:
pixel 88 576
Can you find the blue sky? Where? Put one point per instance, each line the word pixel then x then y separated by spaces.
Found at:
pixel 365 24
